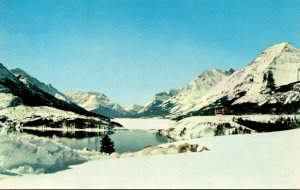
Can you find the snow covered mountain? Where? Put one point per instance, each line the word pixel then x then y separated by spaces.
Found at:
pixel 154 108
pixel 28 80
pixel 190 94
pixel 132 109
pixel 97 103
pixel 178 101
pixel 19 98
pixel 270 83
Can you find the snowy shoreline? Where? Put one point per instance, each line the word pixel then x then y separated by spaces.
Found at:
pixel 262 160
pixel 229 158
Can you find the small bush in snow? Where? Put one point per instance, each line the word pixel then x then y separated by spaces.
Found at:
pixel 220 130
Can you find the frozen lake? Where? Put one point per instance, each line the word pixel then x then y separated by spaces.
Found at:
pixel 124 141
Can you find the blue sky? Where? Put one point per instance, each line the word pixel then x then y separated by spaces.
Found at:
pixel 132 49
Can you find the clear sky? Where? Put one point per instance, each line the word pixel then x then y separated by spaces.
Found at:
pixel 132 49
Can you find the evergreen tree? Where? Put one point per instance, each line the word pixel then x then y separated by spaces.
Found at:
pixel 107 146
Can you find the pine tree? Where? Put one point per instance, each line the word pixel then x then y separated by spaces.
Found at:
pixel 107 146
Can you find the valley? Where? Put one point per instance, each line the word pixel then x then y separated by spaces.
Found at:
pixel 220 122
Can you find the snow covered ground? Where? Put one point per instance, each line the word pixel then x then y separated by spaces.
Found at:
pixel 198 126
pixel 261 160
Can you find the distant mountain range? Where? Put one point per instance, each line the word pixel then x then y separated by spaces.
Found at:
pixel 269 84
pixel 178 101
pixel 101 104
pixel 132 109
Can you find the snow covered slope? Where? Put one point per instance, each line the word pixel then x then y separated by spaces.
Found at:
pixel 132 109
pixel 97 103
pixel 270 83
pixel 179 101
pixel 49 117
pixel 189 95
pixel 27 80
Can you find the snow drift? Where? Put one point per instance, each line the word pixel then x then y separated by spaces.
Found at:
pixel 23 154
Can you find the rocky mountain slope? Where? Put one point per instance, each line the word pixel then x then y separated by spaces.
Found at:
pixel 28 80
pixel 18 93
pixel 97 103
pixel 154 106
pixel 269 84
pixel 178 101
pixel 191 93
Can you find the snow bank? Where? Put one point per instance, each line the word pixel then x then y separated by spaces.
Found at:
pixel 261 160
pixel 199 126
pixel 20 154
pixel 205 126
pixel 145 124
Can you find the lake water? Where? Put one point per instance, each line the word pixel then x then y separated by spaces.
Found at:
pixel 124 141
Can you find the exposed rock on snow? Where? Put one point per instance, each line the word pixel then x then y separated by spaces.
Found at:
pixel 98 103
pixel 157 150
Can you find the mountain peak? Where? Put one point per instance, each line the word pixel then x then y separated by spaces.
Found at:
pixel 132 107
pixel 210 73
pixel 229 71
pixel 278 48
pixel 96 102
pixel 19 71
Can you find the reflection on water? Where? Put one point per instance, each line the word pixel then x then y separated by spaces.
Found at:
pixel 125 141
pixel 66 134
